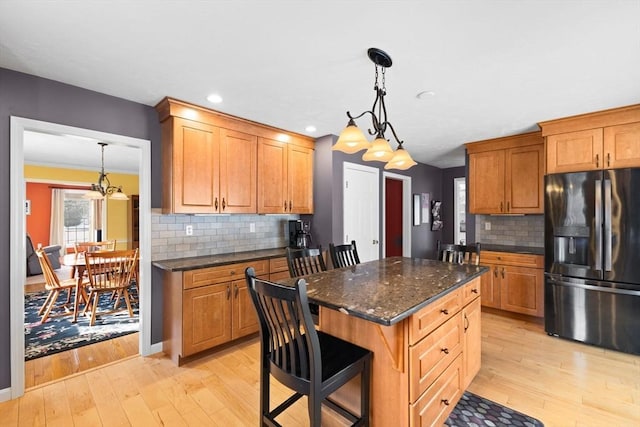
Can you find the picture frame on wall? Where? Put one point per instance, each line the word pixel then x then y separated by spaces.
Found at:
pixel 436 224
pixel 425 206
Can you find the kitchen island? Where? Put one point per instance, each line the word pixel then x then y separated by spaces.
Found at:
pixel 421 320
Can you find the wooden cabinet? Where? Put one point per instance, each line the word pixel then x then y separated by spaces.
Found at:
pixel 472 340
pixel 285 177
pixel 607 139
pixel 278 269
pixel 514 283
pixel 207 307
pixel 210 164
pixel 134 221
pixel 506 175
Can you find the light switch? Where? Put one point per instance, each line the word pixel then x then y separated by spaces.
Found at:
pixel 189 230
pixel 252 227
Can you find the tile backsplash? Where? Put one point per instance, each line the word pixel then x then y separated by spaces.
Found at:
pixel 527 230
pixel 215 234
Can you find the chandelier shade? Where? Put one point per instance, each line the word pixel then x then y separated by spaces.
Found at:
pixel 103 187
pixel 352 139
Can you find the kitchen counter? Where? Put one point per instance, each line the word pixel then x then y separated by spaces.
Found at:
pixel 514 249
pixel 184 264
pixel 389 290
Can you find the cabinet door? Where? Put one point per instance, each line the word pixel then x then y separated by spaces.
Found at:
pixel 472 341
pixel 206 317
pixel 300 179
pixel 524 180
pixel 486 182
pixel 490 287
pixel 622 146
pixel 238 172
pixel 194 163
pixel 521 290
pixel 575 151
pixel 245 319
pixel 273 194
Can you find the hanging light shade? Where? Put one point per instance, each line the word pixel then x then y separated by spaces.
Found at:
pixel 104 188
pixel 401 160
pixel 351 140
pixel 380 151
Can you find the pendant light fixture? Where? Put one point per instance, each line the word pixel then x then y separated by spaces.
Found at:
pixel 104 188
pixel 352 140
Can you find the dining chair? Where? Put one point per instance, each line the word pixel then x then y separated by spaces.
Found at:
pixel 302 262
pixel 80 247
pixel 309 362
pixel 344 255
pixel 111 272
pixel 55 286
pixel 459 254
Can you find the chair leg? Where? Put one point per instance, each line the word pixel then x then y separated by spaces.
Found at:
pixel 45 304
pixel 94 307
pixel 315 408
pixel 50 306
pixel 125 295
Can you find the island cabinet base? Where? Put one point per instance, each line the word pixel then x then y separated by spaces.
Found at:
pixel 421 364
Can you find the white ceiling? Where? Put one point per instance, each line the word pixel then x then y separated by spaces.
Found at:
pixel 496 68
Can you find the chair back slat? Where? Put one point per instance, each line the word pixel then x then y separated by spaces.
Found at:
pixel 344 255
pixel 302 262
pixel 459 254
pixel 107 245
pixel 286 326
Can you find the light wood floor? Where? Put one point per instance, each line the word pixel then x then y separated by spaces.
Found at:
pixel 559 382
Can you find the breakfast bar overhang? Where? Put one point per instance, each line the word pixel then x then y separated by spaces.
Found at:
pixel 421 320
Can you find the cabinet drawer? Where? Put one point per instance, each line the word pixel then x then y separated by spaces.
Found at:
pixel 432 354
pixel 434 315
pixel 221 274
pixel 276 265
pixel 472 290
pixel 435 405
pixel 510 258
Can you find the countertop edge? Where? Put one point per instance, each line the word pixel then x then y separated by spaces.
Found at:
pixel 194 263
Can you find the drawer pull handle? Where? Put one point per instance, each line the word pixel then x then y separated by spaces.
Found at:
pixel 216 203
pixel 445 350
pixel 228 291
pixel 474 291
pixel 285 205
pixel 495 272
pixel 444 311
pixel 503 272
pixel 235 291
pixel 445 401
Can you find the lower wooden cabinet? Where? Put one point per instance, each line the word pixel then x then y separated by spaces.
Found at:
pixel 514 283
pixel 278 269
pixel 207 307
pixel 471 341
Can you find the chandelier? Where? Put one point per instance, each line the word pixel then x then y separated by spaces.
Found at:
pixel 104 188
pixel 352 140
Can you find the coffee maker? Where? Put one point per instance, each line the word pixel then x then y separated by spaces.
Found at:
pixel 299 233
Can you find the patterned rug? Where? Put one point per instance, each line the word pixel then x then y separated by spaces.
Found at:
pixel 59 334
pixel 476 411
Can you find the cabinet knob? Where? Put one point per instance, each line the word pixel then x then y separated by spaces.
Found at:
pixel 445 402
pixel 445 350
pixel 474 291
pixel 444 311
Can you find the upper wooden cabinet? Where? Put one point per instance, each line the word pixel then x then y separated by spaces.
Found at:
pixel 211 163
pixel 602 140
pixel 506 175
pixel 285 177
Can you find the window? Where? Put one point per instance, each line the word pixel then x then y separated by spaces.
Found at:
pixel 77 218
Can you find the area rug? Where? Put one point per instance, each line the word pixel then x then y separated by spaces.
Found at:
pixel 60 334
pixel 473 410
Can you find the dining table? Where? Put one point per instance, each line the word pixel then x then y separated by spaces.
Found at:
pixel 78 262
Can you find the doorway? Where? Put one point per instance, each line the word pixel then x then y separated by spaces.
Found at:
pixel 18 229
pixel 401 206
pixel 392 217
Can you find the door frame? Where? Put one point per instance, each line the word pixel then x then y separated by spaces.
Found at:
pixel 18 229
pixel 406 211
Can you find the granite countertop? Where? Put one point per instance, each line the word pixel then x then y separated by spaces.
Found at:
pixel 183 264
pixel 389 290
pixel 534 250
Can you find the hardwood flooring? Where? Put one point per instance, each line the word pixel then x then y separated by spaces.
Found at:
pixel 561 383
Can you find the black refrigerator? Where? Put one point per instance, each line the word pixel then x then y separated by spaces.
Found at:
pixel 592 257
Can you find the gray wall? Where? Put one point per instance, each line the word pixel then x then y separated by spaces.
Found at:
pixel 35 98
pixel 327 220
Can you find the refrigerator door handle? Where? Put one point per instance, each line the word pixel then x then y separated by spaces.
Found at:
pixel 607 225
pixel 598 225
pixel 589 287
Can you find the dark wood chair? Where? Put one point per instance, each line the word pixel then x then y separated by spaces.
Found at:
pixel 459 254
pixel 303 262
pixel 308 361
pixel 344 255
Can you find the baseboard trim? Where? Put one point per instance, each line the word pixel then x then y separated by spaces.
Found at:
pixel 155 348
pixel 5 394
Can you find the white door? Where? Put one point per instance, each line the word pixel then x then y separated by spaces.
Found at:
pixel 361 209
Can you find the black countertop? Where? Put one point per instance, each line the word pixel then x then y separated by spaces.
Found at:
pixel 183 264
pixel 515 249
pixel 389 290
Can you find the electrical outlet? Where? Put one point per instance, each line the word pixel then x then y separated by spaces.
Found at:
pixel 189 230
pixel 252 227
pixel 487 226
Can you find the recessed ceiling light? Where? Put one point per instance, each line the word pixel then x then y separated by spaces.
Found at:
pixel 214 98
pixel 310 128
pixel 425 94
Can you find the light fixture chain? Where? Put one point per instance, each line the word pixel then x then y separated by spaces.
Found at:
pixel 384 72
